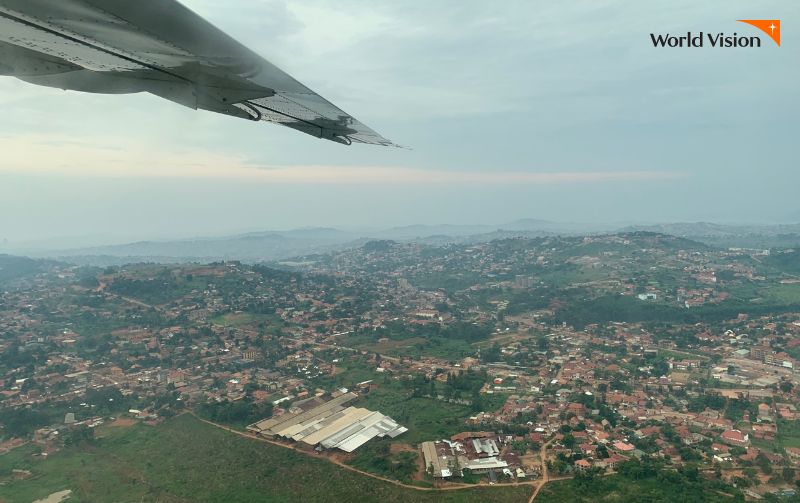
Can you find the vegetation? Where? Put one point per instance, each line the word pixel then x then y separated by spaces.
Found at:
pixel 426 418
pixel 162 288
pixel 19 267
pixel 644 481
pixel 239 413
pixel 628 309
pixel 22 421
pixel 376 457
pixel 786 261
pixel 185 460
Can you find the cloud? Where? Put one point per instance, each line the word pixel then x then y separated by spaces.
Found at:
pixel 32 154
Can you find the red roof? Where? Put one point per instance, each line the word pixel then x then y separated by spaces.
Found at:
pixel 623 446
pixel 734 435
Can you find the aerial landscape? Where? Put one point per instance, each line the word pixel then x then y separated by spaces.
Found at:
pixel 571 275
pixel 550 367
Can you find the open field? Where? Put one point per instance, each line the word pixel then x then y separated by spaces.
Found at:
pixel 783 293
pixel 664 488
pixel 788 436
pixel 185 460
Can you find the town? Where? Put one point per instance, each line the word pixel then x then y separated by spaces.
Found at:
pixel 518 361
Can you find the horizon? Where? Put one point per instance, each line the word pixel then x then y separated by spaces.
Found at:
pixel 47 247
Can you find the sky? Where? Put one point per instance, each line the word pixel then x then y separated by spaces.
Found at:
pixel 561 111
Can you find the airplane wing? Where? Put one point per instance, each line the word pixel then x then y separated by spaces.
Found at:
pixel 161 47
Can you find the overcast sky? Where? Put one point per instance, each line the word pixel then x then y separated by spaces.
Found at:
pixel 515 109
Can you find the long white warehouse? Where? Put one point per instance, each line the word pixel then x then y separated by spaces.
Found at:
pixel 331 426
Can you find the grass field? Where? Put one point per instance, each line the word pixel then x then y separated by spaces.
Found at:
pixel 788 436
pixel 783 294
pixel 185 460
pixel 619 489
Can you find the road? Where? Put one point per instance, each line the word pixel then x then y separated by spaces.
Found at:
pixel 451 487
pixel 545 473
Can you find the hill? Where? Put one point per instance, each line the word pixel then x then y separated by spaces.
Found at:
pixel 12 267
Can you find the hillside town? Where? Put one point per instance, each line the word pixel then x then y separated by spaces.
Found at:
pixel 519 360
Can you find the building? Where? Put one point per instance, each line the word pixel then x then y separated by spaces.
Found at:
pixel 485 465
pixel 485 447
pixel 522 281
pixel 330 426
pixel 735 437
pixel 440 461
pixel 760 353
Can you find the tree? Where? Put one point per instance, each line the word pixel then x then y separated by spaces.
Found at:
pixel 491 354
pixel 543 344
pixel 22 421
pixel 764 463
pixel 79 436
pixel 520 447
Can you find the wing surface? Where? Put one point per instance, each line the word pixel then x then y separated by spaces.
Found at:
pixel 162 47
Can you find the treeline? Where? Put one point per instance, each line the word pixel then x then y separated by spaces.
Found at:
pixel 788 261
pixel 12 267
pixel 530 300
pixel 161 289
pixel 23 421
pixel 462 331
pixel 628 309
pixel 646 480
pixel 376 457
pixel 276 275
pixel 239 413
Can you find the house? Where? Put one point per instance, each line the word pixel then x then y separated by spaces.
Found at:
pixel 793 453
pixel 723 457
pixel 623 447
pixel 648 431
pixel 735 437
pixel 764 411
pixel 717 448
pixel 611 462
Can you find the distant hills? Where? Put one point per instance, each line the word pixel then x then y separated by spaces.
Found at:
pixel 12 267
pixel 280 245
pixel 751 236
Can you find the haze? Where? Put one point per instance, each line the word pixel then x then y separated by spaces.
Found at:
pixel 511 110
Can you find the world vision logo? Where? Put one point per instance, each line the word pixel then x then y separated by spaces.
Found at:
pixel 771 27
